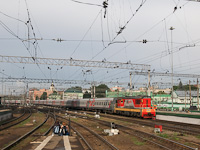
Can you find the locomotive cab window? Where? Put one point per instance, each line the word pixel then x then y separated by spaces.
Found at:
pixel 137 101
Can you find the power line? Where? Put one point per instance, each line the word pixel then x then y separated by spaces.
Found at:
pixel 86 33
pixel 152 27
pixel 86 3
pixel 120 29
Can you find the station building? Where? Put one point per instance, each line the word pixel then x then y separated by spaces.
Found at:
pixel 72 94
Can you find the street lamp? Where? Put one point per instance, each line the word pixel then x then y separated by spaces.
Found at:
pixel 171 28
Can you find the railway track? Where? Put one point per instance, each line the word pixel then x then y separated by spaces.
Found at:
pixel 161 142
pixel 5 125
pixel 33 132
pixel 172 126
pixel 91 138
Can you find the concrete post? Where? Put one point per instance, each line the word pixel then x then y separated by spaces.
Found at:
pixel 198 94
pixel 149 94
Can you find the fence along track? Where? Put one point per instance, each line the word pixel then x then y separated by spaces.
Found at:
pixel 97 135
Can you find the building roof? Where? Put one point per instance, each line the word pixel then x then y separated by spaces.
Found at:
pixel 162 95
pixel 182 93
pixel 73 91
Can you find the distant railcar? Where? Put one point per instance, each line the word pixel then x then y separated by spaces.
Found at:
pixel 130 106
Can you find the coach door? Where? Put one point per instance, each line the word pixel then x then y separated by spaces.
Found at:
pixel 88 103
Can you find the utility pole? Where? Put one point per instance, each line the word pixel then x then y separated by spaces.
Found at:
pixel 190 94
pixel 149 83
pixel 171 28
pixel 130 88
pixel 2 82
pixel 2 89
pixel 94 91
pixel 185 100
pixel 93 88
pixel 198 94
pixel 130 81
pixel 26 94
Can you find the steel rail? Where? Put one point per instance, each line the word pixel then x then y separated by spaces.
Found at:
pixel 168 127
pixel 144 139
pixel 88 145
pixel 25 135
pixel 54 117
pixel 84 140
pixel 150 135
pixel 100 137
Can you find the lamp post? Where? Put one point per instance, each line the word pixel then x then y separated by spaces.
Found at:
pixel 2 81
pixel 171 28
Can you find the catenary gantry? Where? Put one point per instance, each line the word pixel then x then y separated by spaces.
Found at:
pixel 165 74
pixel 73 62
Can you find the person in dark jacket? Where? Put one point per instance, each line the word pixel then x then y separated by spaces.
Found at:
pixel 63 129
pixel 56 128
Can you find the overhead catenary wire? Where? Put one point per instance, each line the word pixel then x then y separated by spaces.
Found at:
pixel 86 3
pixel 148 30
pixel 12 17
pixel 83 39
pixel 109 40
pixel 86 33
pixel 120 29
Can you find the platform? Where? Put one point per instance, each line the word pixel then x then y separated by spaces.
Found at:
pixel 5 114
pixel 179 114
pixel 56 142
pixel 183 117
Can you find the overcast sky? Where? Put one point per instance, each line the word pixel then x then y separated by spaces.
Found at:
pixel 88 35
